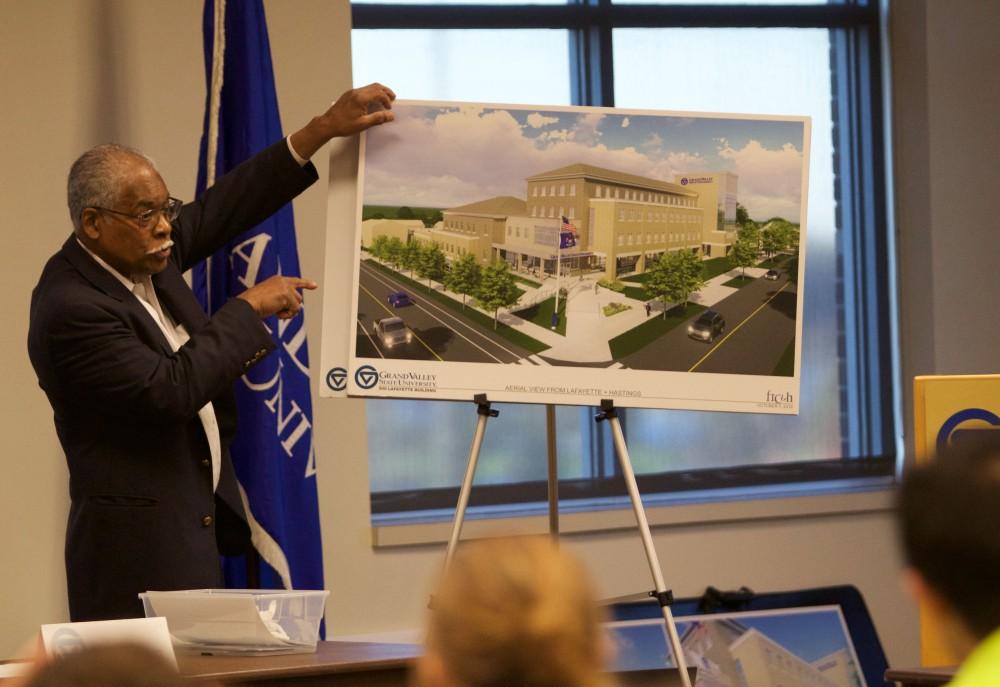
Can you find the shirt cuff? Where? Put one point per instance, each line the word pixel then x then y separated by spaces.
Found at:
pixel 298 158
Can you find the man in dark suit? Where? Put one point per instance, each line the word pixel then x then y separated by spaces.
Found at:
pixel 140 379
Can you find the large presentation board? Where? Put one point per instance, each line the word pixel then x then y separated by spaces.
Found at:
pixel 570 254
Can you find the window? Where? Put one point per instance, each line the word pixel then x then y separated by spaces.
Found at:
pixel 605 52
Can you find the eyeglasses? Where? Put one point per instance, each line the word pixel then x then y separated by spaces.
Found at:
pixel 150 218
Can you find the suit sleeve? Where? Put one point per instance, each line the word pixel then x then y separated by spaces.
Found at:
pixel 99 358
pixel 239 200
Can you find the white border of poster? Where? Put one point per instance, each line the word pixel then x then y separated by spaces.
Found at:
pixel 338 287
pixel 581 205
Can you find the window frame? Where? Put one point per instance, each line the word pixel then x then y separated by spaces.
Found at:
pixel 869 380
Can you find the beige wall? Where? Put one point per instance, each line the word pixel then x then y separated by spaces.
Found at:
pixel 72 74
pixel 78 72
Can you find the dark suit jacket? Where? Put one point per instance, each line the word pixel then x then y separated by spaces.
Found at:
pixel 143 514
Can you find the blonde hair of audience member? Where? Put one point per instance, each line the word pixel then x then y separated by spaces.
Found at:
pixel 514 612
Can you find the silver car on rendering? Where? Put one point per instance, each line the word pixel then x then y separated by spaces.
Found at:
pixel 392 331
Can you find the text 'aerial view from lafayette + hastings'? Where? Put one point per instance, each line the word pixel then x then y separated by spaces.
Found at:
pixel 580 243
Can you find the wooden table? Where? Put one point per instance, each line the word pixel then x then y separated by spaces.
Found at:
pixel 920 677
pixel 335 664
pixel 350 664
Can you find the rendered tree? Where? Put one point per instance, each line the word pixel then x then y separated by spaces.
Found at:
pixel 394 251
pixel 497 289
pixel 771 240
pixel 674 277
pixel 793 237
pixel 788 234
pixel 410 257
pixel 779 234
pixel 662 282
pixel 742 216
pixel 464 276
pixel 378 247
pixel 433 218
pixel 405 212
pixel 743 255
pixel 431 263
pixel 750 232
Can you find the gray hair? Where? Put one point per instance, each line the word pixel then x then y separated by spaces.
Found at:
pixel 96 178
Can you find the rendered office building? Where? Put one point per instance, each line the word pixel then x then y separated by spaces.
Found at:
pixel 730 654
pixel 762 661
pixel 621 221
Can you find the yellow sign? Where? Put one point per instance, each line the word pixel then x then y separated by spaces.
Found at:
pixel 947 410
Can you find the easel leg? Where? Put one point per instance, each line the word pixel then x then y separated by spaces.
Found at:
pixel 483 413
pixel 661 594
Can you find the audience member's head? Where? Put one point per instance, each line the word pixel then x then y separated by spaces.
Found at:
pixel 514 611
pixel 113 665
pixel 949 511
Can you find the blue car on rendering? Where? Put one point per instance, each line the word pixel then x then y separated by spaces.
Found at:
pixel 399 299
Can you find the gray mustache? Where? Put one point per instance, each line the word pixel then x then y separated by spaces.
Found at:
pixel 166 245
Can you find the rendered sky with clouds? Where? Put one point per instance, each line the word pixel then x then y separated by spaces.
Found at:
pixel 448 156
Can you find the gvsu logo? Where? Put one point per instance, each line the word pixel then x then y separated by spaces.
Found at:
pixel 336 378
pixel 366 377
pixel 684 181
pixel 965 425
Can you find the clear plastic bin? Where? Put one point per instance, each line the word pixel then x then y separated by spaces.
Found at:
pixel 240 621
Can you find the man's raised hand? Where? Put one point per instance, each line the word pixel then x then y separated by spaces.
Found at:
pixel 354 111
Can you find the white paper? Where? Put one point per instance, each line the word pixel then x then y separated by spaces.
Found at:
pixel 64 638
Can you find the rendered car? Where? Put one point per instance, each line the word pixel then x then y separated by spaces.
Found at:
pixel 392 331
pixel 707 327
pixel 399 299
pixel 772 275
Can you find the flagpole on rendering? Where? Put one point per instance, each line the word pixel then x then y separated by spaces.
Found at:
pixel 555 311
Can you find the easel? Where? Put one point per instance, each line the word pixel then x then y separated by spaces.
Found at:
pixel 608 412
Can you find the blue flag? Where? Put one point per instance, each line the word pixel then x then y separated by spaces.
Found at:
pixel 273 450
